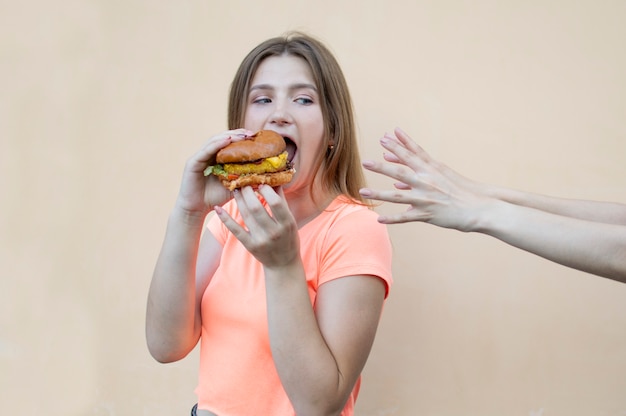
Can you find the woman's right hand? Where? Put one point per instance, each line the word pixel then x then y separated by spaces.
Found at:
pixel 198 194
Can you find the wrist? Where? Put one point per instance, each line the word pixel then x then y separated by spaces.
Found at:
pixel 500 194
pixel 189 217
pixel 289 269
pixel 492 212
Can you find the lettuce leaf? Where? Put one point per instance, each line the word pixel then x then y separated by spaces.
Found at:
pixel 215 170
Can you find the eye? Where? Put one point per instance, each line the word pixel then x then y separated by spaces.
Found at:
pixel 261 100
pixel 304 100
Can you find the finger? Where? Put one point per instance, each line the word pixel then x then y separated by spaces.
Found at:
pixel 240 133
pixel 238 231
pixel 402 186
pixel 391 136
pixel 390 157
pixel 410 144
pixel 252 209
pixel 403 217
pixel 228 135
pixel 398 172
pixel 407 142
pixel 397 197
pixel 276 202
pixel 218 141
pixel 206 155
pixel 212 146
pixel 405 149
pixel 246 132
pixel 400 154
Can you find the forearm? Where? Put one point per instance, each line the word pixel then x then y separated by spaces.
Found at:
pixel 305 364
pixel 593 247
pixel 597 211
pixel 172 328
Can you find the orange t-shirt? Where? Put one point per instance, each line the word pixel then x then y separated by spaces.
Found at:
pixel 237 373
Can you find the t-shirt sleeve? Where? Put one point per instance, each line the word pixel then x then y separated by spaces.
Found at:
pixel 357 244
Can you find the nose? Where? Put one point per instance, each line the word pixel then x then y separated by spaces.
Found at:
pixel 280 115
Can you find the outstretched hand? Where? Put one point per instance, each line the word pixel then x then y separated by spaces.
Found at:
pixel 435 193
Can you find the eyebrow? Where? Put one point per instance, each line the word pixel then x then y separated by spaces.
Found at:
pixel 298 86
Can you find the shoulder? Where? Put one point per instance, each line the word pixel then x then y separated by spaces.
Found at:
pixel 343 206
pixel 354 227
pixel 359 217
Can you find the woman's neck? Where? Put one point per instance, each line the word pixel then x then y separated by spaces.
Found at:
pixel 306 205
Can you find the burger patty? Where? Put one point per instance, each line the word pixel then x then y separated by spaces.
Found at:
pixel 271 164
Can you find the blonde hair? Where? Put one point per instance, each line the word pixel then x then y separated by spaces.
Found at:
pixel 340 165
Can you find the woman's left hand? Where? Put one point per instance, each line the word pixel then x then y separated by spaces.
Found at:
pixel 271 237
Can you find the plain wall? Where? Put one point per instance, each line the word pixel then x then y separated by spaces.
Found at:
pixel 101 102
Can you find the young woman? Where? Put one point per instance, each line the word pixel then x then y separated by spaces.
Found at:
pixel 285 288
pixel 585 235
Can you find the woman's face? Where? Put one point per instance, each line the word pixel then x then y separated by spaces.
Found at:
pixel 283 97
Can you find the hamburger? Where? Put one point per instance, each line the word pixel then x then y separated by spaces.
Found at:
pixel 262 159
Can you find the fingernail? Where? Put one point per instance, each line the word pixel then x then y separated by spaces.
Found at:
pixel 365 192
pixel 368 163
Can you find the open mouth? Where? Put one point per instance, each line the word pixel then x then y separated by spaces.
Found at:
pixel 291 149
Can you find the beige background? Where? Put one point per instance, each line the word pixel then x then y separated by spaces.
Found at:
pixel 101 102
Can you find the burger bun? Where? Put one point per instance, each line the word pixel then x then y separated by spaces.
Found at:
pixel 257 179
pixel 264 144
